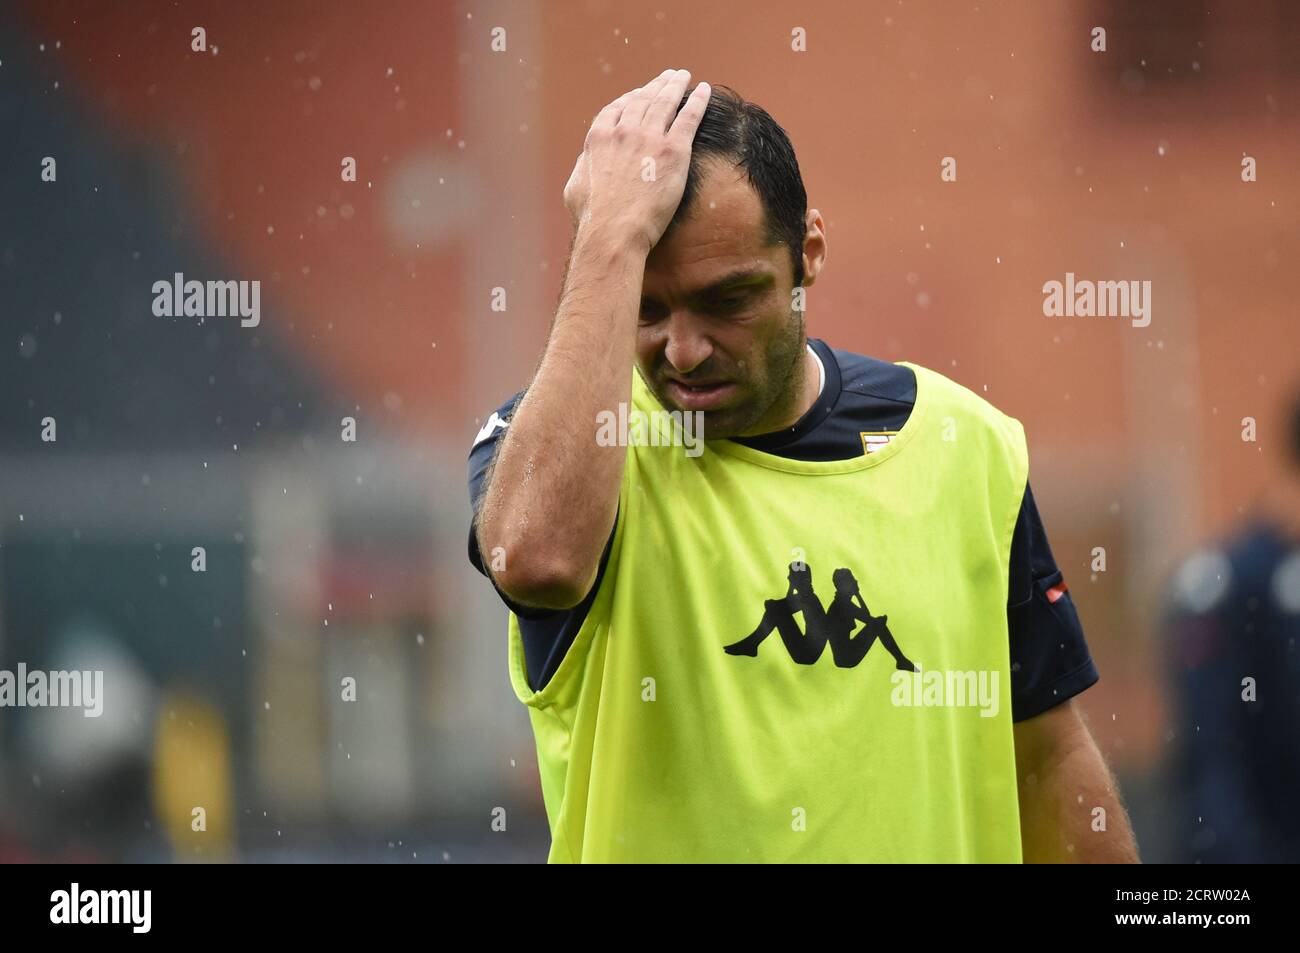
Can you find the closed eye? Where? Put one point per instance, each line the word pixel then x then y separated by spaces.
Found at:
pixel 730 303
pixel 725 298
pixel 652 310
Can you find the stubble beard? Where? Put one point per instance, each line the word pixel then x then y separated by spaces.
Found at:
pixel 783 384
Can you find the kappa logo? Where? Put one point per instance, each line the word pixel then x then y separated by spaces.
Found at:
pixel 493 424
pixel 833 625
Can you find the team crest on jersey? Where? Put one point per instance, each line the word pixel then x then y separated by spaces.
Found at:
pixel 873 440
pixel 831 625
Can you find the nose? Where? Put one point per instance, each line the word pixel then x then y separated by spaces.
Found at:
pixel 687 347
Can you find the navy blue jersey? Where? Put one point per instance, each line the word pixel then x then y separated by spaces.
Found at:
pixel 1231 627
pixel 863 402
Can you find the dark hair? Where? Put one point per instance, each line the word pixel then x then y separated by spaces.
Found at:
pixel 746 135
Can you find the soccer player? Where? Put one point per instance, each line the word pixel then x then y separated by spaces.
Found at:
pixel 1231 628
pixel 629 568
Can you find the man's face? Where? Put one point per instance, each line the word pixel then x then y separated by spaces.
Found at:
pixel 717 311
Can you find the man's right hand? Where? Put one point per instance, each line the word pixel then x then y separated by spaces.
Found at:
pixel 632 170
pixel 552 495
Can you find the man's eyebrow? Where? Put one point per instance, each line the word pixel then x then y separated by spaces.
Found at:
pixel 747 278
pixel 757 277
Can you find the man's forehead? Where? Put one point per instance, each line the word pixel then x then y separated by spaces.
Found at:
pixel 725 206
pixel 723 233
pixel 724 191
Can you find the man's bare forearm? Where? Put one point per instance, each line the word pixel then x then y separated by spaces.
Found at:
pixel 1070 809
pixel 552 495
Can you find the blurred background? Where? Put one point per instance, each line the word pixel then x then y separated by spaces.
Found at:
pixel 1160 456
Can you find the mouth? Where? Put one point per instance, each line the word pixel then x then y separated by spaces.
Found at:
pixel 700 396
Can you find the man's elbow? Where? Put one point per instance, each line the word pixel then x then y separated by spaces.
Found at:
pixel 546 580
pixel 543 588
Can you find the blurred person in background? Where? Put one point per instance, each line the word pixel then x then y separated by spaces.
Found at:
pixel 78 786
pixel 1231 629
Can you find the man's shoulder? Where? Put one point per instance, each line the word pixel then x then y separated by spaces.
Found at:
pixel 959 413
pixel 872 377
pixel 955 394
pixel 899 381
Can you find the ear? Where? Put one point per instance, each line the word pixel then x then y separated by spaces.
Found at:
pixel 814 246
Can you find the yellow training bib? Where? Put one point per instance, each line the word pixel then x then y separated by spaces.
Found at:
pixel 796 661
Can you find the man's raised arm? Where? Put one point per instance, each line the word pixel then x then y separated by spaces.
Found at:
pixel 552 494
